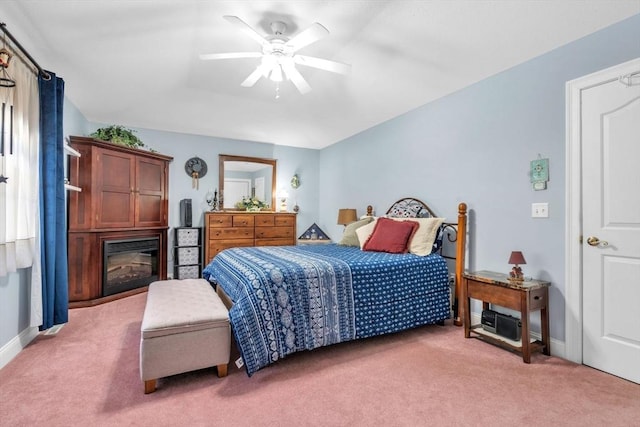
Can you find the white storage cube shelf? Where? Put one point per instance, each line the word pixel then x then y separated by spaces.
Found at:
pixel 188 272
pixel 188 255
pixel 187 236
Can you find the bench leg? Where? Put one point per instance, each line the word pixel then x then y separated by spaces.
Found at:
pixel 149 386
pixel 222 370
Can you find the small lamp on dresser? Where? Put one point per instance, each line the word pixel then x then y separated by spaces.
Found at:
pixel 347 216
pixel 516 259
pixel 282 195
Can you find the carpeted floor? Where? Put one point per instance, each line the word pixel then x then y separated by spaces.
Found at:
pixel 88 375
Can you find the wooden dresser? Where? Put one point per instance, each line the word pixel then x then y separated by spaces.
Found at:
pixel 228 229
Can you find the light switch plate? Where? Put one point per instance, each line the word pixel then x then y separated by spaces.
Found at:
pixel 539 210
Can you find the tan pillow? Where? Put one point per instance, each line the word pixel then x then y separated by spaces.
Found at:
pixel 422 242
pixel 349 237
pixel 364 232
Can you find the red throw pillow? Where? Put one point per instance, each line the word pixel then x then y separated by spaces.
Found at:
pixel 391 236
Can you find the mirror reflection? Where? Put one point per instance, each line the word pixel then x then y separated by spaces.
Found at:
pixel 244 177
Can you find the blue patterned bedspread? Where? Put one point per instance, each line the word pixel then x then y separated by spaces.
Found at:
pixel 292 298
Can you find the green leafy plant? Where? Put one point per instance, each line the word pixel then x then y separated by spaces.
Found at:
pixel 118 135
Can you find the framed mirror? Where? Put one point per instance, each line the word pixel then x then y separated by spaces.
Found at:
pixel 242 176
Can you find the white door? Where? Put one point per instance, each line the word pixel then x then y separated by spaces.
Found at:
pixel 234 190
pixel 611 227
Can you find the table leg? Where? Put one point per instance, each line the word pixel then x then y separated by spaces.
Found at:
pixel 524 319
pixel 466 309
pixel 544 325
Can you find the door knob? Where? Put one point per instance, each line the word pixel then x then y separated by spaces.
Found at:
pixel 594 241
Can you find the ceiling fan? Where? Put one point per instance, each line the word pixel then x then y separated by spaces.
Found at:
pixel 279 54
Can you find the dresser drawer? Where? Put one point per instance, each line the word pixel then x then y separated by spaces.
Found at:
pixel 538 298
pixel 275 242
pixel 273 232
pixel 243 220
pixel 231 233
pixel 265 220
pixel 216 247
pixel 285 221
pixel 220 220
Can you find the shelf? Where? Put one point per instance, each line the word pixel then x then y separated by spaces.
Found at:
pixel 496 339
pixel 70 187
pixel 71 151
pixel 75 153
pixel 189 239
pixel 314 242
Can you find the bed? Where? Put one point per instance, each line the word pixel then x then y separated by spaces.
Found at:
pixel 285 299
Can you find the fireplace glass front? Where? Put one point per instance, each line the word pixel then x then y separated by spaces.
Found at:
pixel 129 264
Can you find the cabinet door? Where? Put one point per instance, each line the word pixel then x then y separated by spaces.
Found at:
pixel 151 204
pixel 85 267
pixel 114 185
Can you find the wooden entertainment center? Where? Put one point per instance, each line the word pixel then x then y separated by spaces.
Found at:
pixel 123 197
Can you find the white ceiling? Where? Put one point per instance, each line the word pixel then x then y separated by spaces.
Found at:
pixel 136 63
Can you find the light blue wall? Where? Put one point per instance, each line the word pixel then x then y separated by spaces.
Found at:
pixel 475 146
pixel 14 304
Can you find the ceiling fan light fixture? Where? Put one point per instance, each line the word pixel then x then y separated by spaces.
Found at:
pixel 279 54
pixel 276 73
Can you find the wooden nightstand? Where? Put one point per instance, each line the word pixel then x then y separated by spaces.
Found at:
pixel 525 297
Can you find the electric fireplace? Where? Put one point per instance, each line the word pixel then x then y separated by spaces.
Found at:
pixel 129 264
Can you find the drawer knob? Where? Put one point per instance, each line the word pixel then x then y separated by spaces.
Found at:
pixel 536 297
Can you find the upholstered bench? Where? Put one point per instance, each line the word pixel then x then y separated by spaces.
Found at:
pixel 185 327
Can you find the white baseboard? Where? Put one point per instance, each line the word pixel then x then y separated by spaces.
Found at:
pixel 15 346
pixel 557 347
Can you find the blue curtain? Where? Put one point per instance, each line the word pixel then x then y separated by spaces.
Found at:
pixel 53 228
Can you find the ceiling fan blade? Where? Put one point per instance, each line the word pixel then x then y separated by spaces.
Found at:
pixel 243 26
pixel 308 36
pixel 231 55
pixel 323 64
pixel 298 81
pixel 253 78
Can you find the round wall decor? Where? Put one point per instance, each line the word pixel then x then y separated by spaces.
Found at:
pixel 196 168
pixel 195 165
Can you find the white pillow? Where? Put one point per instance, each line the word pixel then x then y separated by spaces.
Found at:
pixel 422 242
pixel 365 231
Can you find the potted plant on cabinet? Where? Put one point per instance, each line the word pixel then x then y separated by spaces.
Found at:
pixel 120 135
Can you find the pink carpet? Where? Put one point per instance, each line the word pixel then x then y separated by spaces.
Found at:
pixel 88 375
